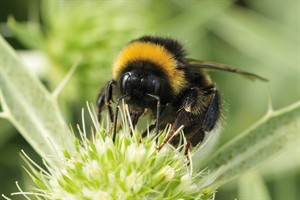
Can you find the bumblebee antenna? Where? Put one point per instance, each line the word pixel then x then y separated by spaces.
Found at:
pixel 116 118
pixel 157 112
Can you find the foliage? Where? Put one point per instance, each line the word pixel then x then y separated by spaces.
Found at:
pixel 73 29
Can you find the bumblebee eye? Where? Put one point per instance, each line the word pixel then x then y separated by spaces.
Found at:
pixel 156 86
pixel 125 79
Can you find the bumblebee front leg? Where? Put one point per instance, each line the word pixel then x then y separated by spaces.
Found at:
pixel 104 100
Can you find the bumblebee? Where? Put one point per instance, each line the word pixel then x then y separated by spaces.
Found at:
pixel 154 76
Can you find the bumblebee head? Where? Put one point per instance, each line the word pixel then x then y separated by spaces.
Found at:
pixel 150 65
pixel 142 78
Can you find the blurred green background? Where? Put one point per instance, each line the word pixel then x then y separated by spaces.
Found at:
pixel 259 36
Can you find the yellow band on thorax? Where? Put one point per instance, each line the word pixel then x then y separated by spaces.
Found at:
pixel 157 54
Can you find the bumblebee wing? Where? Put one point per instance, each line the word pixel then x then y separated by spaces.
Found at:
pixel 218 66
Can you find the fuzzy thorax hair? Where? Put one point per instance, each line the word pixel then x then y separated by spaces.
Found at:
pixel 154 53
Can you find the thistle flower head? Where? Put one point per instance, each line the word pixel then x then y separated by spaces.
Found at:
pixel 129 168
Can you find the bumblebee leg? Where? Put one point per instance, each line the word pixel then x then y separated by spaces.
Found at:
pixel 181 120
pixel 157 114
pixel 134 117
pixel 213 111
pixel 165 113
pixel 211 116
pixel 186 152
pixel 191 111
pixel 116 118
pixel 100 104
pixel 197 138
pixel 200 108
pixel 104 99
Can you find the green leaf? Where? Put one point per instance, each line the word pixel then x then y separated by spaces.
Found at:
pixel 32 37
pixel 277 45
pixel 252 186
pixel 199 17
pixel 286 163
pixel 30 107
pixel 275 132
pixel 7 131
